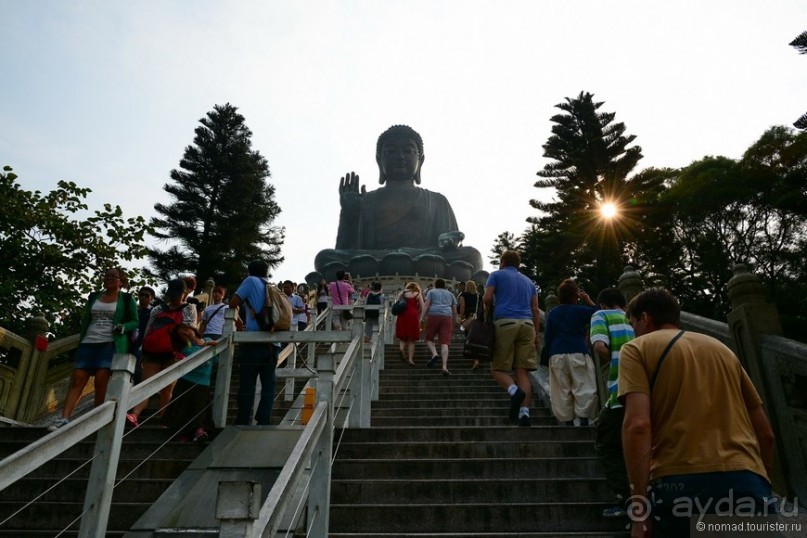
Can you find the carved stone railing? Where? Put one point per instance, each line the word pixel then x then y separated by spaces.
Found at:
pixel 34 373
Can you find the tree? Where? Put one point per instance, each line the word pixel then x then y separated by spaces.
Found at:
pixel 54 253
pixel 747 211
pixel 504 241
pixel 647 223
pixel 223 207
pixel 590 164
pixel 800 44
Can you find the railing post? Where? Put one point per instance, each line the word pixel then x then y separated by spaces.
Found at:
pixel 359 416
pixel 630 283
pixel 289 392
pixel 101 482
pixel 30 371
pixel 207 289
pixel 224 372
pixel 751 317
pixel 319 496
pixel 550 302
pixel 319 488
pixel 377 361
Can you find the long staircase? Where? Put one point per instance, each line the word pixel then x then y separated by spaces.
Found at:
pixel 442 459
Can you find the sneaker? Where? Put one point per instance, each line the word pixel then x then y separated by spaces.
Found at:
pixel 131 420
pixel 515 403
pixel 614 512
pixel 524 421
pixel 58 423
pixel 200 435
pixel 432 362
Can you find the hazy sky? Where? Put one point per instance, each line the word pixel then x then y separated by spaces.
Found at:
pixel 108 93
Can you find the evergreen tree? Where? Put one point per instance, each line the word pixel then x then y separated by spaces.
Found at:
pixel 223 206
pixel 504 241
pixel 800 44
pixel 590 164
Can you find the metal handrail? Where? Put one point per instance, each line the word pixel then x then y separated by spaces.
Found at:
pixel 108 419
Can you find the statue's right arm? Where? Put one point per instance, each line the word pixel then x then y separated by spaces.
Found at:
pixel 350 200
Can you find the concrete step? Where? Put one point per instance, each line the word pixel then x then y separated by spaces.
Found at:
pixel 464 402
pixel 466 449
pixel 59 468
pixel 491 534
pixel 437 517
pixel 465 468
pixel 50 498
pixel 443 459
pixel 137 489
pixel 55 516
pixel 444 389
pixel 492 419
pixel 431 434
pixel 470 491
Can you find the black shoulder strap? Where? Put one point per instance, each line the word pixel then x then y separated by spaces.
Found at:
pixel 216 311
pixel 663 356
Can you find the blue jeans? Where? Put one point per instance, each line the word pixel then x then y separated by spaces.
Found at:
pixel 256 360
pixel 679 499
pixel 93 357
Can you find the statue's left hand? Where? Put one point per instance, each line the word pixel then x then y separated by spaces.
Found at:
pixel 450 240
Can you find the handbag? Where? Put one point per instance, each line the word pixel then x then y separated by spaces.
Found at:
pixel 466 323
pixel 480 340
pixel 399 306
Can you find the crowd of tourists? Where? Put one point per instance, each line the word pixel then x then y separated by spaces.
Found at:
pixel 691 434
pixel 159 331
pixel 694 429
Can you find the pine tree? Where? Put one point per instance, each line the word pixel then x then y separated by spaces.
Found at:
pixel 590 164
pixel 223 206
pixel 504 241
pixel 800 44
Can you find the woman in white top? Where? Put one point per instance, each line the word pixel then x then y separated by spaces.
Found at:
pixel 108 317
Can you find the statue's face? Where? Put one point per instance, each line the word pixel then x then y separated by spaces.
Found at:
pixel 400 158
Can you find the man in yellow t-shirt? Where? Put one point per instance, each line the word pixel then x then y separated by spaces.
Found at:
pixel 694 429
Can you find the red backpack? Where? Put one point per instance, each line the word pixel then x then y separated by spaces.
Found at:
pixel 158 337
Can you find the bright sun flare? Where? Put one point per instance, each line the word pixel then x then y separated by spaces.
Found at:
pixel 608 210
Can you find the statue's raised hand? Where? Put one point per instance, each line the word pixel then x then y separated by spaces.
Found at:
pixel 350 197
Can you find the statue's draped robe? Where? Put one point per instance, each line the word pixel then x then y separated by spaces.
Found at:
pixel 414 221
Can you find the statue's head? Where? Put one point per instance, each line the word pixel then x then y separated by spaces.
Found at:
pixel 399 154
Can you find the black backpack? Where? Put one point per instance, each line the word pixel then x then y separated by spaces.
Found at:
pixel 372 298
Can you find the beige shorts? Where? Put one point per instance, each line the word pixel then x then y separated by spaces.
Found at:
pixel 515 345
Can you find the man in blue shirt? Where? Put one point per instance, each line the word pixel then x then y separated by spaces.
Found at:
pixel 255 359
pixel 516 317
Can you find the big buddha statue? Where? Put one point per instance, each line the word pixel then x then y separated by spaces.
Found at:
pixel 399 228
